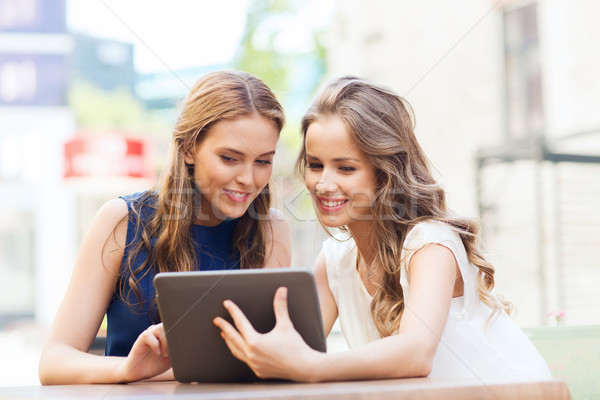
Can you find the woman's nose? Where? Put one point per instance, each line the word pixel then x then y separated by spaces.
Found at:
pixel 244 177
pixel 325 183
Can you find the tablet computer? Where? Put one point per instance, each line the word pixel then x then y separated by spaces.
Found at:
pixel 189 301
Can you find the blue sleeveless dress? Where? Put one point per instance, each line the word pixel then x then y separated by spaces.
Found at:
pixel 213 247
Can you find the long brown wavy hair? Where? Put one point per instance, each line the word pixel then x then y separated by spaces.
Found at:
pixel 165 236
pixel 382 125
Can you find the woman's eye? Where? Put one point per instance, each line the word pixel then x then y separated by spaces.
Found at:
pixel 347 169
pixel 228 159
pixel 264 162
pixel 314 166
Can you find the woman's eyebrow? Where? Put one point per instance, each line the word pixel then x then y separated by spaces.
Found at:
pixel 337 159
pixel 346 159
pixel 234 151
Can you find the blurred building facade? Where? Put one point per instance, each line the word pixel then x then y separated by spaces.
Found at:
pixel 506 102
pixel 34 122
pixel 50 184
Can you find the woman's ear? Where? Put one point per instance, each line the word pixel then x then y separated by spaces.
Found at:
pixel 188 156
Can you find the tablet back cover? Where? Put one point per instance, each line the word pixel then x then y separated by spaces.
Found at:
pixel 189 301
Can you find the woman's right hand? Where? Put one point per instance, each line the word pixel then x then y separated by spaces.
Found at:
pixel 148 357
pixel 281 353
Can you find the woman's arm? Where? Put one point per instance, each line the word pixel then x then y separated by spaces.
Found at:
pixel 281 353
pixel 329 311
pixel 278 247
pixel 409 353
pixel 64 358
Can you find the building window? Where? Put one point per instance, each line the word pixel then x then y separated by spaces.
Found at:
pixel 18 81
pixel 18 14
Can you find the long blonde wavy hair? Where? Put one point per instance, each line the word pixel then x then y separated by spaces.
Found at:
pixel 217 96
pixel 382 125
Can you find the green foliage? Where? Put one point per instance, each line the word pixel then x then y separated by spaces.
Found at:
pixel 263 62
pixel 261 53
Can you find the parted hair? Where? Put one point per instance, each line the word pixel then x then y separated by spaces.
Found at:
pixel 217 96
pixel 382 125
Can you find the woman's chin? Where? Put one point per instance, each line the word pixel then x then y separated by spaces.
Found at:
pixel 233 212
pixel 331 221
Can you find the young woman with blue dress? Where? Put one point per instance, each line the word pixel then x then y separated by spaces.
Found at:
pixel 210 211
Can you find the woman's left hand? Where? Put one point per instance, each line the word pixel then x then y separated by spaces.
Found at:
pixel 280 353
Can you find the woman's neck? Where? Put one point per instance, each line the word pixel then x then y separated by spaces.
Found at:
pixel 365 239
pixel 368 269
pixel 204 213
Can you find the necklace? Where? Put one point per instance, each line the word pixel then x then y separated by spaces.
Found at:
pixel 361 295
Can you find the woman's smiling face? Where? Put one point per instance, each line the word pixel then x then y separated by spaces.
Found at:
pixel 340 179
pixel 232 164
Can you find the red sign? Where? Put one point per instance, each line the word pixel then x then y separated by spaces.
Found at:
pixel 107 155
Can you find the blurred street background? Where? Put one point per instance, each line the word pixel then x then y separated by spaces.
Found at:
pixel 506 95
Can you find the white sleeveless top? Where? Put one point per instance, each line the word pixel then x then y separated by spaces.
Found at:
pixel 466 348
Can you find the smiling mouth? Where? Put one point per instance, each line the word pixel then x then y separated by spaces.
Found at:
pixel 331 204
pixel 235 196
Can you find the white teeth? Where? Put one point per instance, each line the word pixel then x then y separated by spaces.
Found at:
pixel 235 194
pixel 332 203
